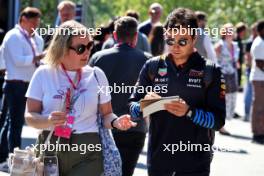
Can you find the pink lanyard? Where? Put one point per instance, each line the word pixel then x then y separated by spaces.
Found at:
pixel 68 94
pixel 28 40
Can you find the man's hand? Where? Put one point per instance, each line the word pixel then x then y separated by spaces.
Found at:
pixel 36 59
pixel 177 108
pixel 151 95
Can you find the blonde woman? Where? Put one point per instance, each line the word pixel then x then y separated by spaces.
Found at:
pixel 227 52
pixel 66 90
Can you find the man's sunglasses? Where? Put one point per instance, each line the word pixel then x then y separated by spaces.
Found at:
pixel 80 49
pixel 172 41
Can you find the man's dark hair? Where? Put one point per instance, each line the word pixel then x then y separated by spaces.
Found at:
pixel 126 28
pixel 181 18
pixel 132 13
pixel 240 27
pixel 260 26
pixel 30 12
pixel 201 15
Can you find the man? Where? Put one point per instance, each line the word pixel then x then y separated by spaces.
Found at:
pixel 241 30
pixel 155 13
pixel 67 10
pixel 121 65
pixel 203 44
pixel 22 51
pixel 248 61
pixel 142 40
pixel 257 78
pixel 190 120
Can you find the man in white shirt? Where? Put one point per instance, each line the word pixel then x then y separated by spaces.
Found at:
pixel 204 44
pixel 22 51
pixel 257 78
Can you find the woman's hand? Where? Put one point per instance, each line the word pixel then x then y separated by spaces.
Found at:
pixel 57 118
pixel 177 108
pixel 124 123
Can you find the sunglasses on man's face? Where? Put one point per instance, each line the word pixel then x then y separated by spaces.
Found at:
pixel 172 41
pixel 80 49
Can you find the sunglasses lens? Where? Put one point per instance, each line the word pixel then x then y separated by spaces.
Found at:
pixel 80 49
pixel 90 45
pixel 170 41
pixel 182 42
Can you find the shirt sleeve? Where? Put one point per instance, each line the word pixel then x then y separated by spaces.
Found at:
pixel 139 92
pixel 213 116
pixel 35 88
pixel 257 51
pixel 19 58
pixel 103 89
pixel 209 49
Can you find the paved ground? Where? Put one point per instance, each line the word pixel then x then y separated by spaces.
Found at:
pixel 243 159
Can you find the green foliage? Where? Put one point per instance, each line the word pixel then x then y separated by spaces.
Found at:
pixel 219 11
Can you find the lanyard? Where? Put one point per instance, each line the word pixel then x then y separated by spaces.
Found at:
pixel 27 39
pixel 68 93
pixel 79 74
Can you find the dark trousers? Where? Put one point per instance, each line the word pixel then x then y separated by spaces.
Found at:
pixel 130 145
pixel 10 135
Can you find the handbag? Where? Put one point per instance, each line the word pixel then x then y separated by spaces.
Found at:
pixel 111 157
pixel 25 163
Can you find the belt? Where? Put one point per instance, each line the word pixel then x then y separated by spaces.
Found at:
pixel 16 81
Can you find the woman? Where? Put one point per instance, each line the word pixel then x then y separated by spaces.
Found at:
pixel 156 39
pixel 66 89
pixel 227 52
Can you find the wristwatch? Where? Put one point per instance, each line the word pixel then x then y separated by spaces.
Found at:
pixel 189 113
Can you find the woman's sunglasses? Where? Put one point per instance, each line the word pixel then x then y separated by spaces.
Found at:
pixel 80 49
pixel 172 41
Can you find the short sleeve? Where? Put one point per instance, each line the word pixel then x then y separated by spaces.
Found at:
pixel 257 51
pixel 35 88
pixel 105 95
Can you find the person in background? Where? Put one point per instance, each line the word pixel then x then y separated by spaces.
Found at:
pixel 122 65
pixel 100 38
pixel 22 50
pixel 241 32
pixel 110 42
pixel 66 87
pixel 204 44
pixel 142 40
pixel 156 40
pixel 257 78
pixel 66 11
pixel 155 13
pixel 248 61
pixel 227 52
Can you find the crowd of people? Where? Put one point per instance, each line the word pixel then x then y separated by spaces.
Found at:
pixel 48 80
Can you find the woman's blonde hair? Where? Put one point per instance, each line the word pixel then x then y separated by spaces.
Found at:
pixel 62 40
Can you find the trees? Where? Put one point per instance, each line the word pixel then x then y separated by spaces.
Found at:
pixel 219 11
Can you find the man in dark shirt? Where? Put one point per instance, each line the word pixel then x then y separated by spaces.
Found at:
pixel 241 30
pixel 190 121
pixel 122 65
pixel 155 13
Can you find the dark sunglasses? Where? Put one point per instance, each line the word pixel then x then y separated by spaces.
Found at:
pixel 172 41
pixel 80 49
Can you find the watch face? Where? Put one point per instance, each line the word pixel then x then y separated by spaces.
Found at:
pixel 189 113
